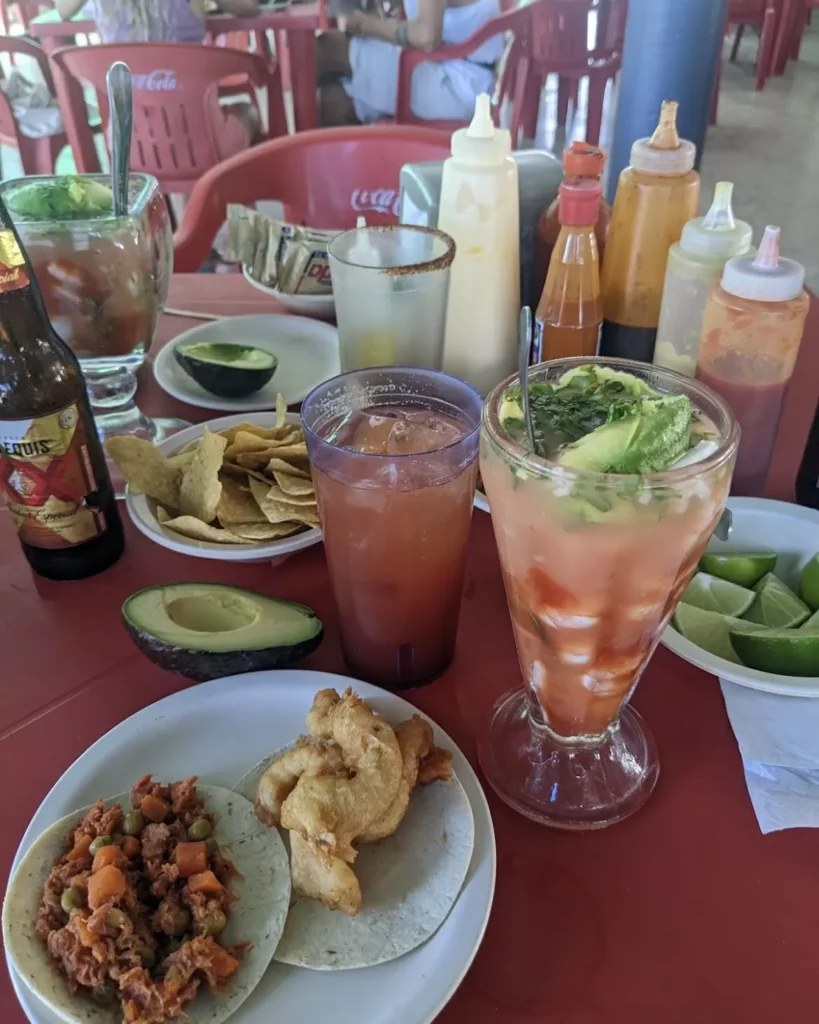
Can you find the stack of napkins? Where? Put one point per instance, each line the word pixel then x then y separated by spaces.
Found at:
pixel 778 739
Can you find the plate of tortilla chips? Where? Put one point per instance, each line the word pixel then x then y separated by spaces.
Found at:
pixel 229 489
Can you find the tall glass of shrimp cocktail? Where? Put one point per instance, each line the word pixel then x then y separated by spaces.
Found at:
pixel 394 457
pixel 599 530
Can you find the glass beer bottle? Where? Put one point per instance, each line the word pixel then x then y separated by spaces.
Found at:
pixel 53 473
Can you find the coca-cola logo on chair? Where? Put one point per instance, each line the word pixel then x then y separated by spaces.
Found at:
pixel 379 200
pixel 158 80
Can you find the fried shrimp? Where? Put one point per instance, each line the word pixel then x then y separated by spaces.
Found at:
pixel 322 876
pixel 308 757
pixel 331 812
pixel 415 742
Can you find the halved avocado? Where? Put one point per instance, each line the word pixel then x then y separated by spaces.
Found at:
pixel 225 369
pixel 207 630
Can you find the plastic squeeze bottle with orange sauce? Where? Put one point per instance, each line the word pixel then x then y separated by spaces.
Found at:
pixel 656 196
pixel 751 332
pixel 567 321
pixel 580 160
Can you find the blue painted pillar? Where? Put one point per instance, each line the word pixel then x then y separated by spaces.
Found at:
pixel 670 53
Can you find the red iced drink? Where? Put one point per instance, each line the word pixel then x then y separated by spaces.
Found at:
pixel 395 485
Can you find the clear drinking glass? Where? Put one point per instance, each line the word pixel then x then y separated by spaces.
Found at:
pixel 593 565
pixel 394 455
pixel 105 282
pixel 391 286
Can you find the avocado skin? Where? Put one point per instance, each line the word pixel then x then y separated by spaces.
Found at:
pixel 224 381
pixel 202 666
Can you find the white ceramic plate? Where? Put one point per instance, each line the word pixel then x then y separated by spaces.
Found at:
pixel 218 731
pixel 313 305
pixel 307 351
pixel 480 501
pixel 792 532
pixel 142 509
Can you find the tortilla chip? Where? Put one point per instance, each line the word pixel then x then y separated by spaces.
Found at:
pixel 296 467
pixel 250 428
pixel 200 489
pixel 292 451
pixel 145 468
pixel 195 529
pixel 182 459
pixel 281 410
pixel 293 485
pixel 237 504
pixel 264 531
pixel 278 511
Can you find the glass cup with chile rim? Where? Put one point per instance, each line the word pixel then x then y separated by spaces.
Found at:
pixel 593 566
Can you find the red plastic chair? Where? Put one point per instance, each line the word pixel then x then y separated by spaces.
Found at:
pixel 324 178
pixel 559 45
pixel 175 101
pixel 36 155
pixel 514 24
pixel 764 14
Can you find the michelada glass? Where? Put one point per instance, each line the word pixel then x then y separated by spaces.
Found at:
pixel 594 564
pixel 394 456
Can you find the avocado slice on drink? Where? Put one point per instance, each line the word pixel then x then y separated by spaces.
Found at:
pixel 207 630
pixel 226 369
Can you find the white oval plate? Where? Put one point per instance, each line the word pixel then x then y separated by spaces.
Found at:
pixel 759 524
pixel 313 305
pixel 218 731
pixel 307 351
pixel 142 509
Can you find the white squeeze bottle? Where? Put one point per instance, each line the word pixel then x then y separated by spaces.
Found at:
pixel 695 265
pixel 479 209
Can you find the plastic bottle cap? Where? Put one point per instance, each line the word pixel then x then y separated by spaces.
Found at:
pixel 579 201
pixel 362 252
pixel 665 152
pixel 718 233
pixel 765 277
pixel 482 142
pixel 582 160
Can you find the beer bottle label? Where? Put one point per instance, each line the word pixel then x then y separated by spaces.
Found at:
pixel 48 480
pixel 12 263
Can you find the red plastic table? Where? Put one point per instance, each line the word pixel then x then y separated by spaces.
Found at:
pixel 298 23
pixel 683 913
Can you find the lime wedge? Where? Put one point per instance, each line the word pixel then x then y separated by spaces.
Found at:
pixel 809 584
pixel 787 652
pixel 742 567
pixel 708 630
pixel 776 605
pixel 812 625
pixel 715 595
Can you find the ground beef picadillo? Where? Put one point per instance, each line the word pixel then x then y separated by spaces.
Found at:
pixel 133 908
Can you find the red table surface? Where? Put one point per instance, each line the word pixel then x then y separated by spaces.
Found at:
pixel 683 913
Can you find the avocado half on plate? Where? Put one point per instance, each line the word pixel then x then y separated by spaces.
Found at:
pixel 207 630
pixel 225 369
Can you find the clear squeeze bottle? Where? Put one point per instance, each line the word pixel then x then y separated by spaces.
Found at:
pixel 656 195
pixel 751 332
pixel 567 321
pixel 580 160
pixel 479 209
pixel 695 265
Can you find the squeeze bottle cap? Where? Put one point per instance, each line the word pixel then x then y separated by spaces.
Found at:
pixel 665 152
pixel 482 142
pixel 579 201
pixel 362 252
pixel 765 277
pixel 718 233
pixel 582 160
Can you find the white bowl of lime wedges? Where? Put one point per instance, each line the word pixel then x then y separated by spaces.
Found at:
pixel 751 612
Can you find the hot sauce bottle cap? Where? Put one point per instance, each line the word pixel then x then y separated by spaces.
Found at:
pixel 579 201
pixel 482 143
pixel 582 160
pixel 665 152
pixel 765 277
pixel 718 234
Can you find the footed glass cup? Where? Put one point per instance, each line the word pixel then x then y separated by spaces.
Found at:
pixel 593 565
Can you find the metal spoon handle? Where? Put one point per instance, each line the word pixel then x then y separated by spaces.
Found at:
pixel 524 349
pixel 120 102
